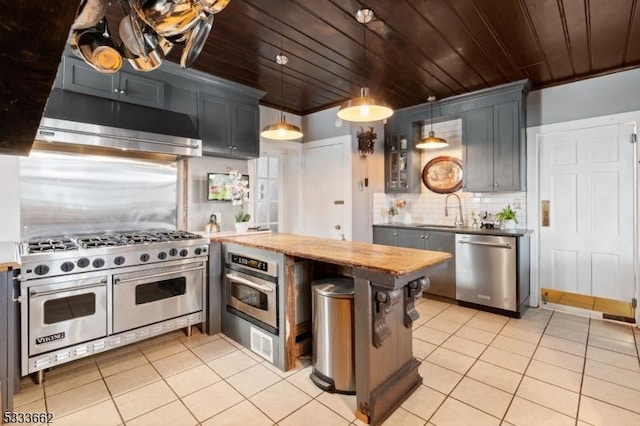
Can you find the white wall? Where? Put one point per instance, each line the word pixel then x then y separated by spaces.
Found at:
pixel 323 125
pixel 10 198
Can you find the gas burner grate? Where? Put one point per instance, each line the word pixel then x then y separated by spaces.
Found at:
pixel 94 241
pixel 51 245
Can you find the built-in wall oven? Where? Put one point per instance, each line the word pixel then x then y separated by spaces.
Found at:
pixel 252 290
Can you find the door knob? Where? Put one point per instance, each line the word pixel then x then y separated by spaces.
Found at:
pixel 338 227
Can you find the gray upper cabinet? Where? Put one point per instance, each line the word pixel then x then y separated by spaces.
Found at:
pixel 126 87
pixel 494 149
pixel 228 128
pixel 401 158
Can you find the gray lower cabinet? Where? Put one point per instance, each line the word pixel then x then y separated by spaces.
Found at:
pixel 78 76
pixel 494 148
pixel 442 281
pixel 228 128
pixel 9 341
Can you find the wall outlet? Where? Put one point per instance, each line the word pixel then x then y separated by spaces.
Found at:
pixel 517 204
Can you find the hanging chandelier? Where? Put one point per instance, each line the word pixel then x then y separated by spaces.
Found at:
pixel 432 141
pixel 281 130
pixel 364 108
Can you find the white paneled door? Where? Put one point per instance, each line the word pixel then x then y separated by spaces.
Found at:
pixel 586 240
pixel 326 206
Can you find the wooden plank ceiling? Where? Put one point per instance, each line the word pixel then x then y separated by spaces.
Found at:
pixel 415 48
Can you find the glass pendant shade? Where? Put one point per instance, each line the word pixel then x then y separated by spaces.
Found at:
pixel 364 108
pixel 281 131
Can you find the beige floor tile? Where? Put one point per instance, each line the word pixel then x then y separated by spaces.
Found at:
pixel 214 349
pixel 421 320
pixel 302 381
pixel 29 392
pixel 528 324
pixel 37 406
pixel 483 397
pixel 457 314
pixel 531 336
pixel 132 379
pixel 440 324
pixel 578 326
pixel 78 398
pixel 121 362
pixel 464 346
pixel 559 359
pixel 514 345
pixel 554 375
pixel 144 399
pixel 198 338
pixel 253 380
pixel 482 323
pixel 230 364
pixel 244 413
pixel 257 358
pixel 344 405
pixel 423 402
pixel 162 349
pixel 432 307
pixel 212 400
pixel 549 396
pixel 192 380
pixel 452 360
pixel 611 393
pixel 300 364
pixel 316 411
pixel 501 319
pixel 475 334
pixel 174 414
pixel 627 348
pixel 439 378
pixel 453 412
pixel 526 413
pixel 422 349
pixel 571 317
pixel 280 400
pixel 613 374
pixel 430 335
pixel 539 315
pixel 563 345
pixel 613 358
pixel 600 413
pixel 612 330
pixel 176 363
pixel 509 360
pixel 567 333
pixel 62 381
pixel 495 376
pixel 401 417
pixel 101 414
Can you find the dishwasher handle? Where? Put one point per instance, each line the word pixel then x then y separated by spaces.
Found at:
pixel 482 243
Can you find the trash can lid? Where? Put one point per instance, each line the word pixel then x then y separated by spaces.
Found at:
pixel 340 287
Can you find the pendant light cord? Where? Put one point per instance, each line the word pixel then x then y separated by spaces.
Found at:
pixel 281 89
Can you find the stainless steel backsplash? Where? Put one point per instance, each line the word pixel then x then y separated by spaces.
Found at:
pixel 64 194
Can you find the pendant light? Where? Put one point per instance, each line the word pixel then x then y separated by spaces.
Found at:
pixel 281 130
pixel 364 108
pixel 432 141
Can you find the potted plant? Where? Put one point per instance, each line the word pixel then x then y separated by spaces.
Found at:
pixel 239 195
pixel 507 218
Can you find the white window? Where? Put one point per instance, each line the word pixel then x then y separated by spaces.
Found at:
pixel 267 187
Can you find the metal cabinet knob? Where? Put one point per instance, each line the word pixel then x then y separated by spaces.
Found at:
pixel 496 184
pixel 121 92
pixel 338 227
pixel 115 90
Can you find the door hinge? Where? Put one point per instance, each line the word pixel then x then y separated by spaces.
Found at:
pixel 634 303
pixel 634 137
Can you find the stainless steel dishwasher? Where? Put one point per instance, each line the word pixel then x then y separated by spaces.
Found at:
pixel 486 270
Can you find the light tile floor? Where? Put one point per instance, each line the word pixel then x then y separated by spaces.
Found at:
pixel 478 368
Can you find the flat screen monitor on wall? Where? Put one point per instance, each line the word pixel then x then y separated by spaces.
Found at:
pixel 219 186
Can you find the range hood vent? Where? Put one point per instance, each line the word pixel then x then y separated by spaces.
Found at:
pixel 76 122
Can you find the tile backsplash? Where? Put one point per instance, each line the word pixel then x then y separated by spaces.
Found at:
pixel 429 207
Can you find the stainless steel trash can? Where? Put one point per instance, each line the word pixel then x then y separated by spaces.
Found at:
pixel 333 335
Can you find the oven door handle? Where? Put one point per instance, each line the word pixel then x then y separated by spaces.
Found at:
pixel 33 292
pixel 118 280
pixel 249 283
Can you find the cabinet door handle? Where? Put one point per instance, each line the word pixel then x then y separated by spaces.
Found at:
pixel 121 92
pixel 115 90
pixel 496 184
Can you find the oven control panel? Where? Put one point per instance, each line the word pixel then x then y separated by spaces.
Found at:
pixel 266 267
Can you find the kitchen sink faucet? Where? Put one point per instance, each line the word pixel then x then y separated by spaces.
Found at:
pixel 459 222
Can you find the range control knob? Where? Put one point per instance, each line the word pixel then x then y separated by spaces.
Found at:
pixel 98 263
pixel 162 255
pixel 83 262
pixel 198 251
pixel 173 252
pixel 67 266
pixel 184 252
pixel 144 257
pixel 41 270
pixel 119 260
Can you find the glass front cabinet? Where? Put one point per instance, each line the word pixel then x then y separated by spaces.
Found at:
pixel 402 161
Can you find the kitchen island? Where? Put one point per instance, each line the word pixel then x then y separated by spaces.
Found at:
pixel 9 371
pixel 387 281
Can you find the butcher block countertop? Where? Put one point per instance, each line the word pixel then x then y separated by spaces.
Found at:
pixel 8 256
pixel 396 261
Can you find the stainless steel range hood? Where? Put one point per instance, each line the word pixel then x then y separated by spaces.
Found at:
pixel 82 123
